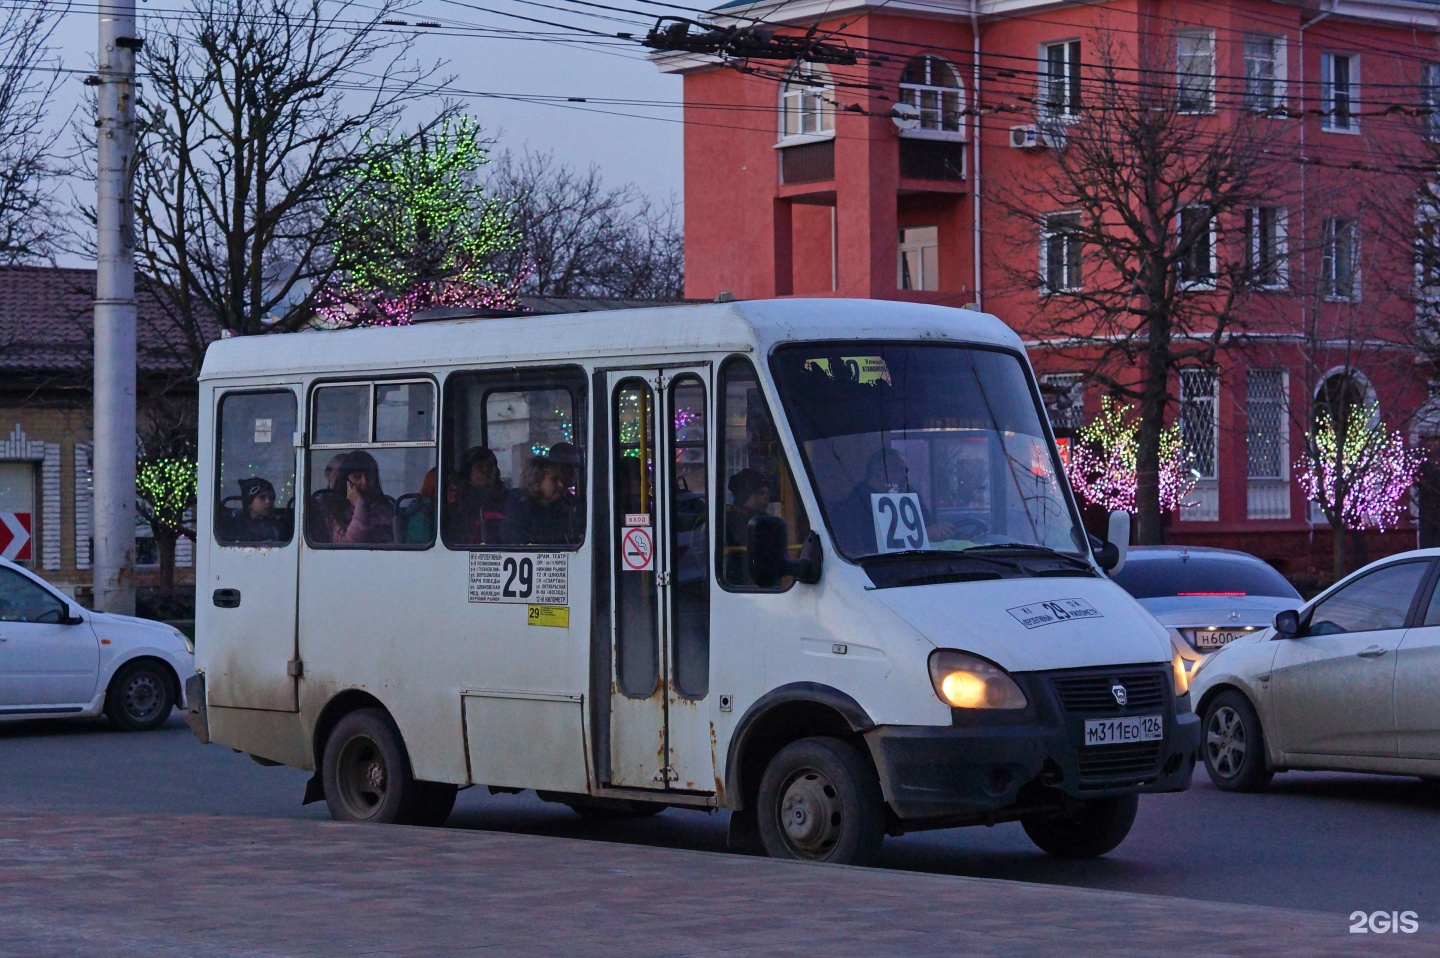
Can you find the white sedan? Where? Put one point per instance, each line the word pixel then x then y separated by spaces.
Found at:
pixel 58 659
pixel 1349 682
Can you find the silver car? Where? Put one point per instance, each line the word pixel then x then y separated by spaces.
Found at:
pixel 1207 598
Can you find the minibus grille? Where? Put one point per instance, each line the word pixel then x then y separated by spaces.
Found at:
pixel 1094 694
pixel 1115 764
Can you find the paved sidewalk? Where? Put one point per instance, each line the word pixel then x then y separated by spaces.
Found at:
pixel 144 885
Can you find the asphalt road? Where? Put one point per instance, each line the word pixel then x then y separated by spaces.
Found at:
pixel 1324 842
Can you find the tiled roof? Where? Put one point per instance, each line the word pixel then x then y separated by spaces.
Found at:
pixel 47 319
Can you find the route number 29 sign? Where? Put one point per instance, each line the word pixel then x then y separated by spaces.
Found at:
pixel 899 524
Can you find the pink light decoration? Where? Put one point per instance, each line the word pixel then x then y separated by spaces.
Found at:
pixel 1103 461
pixel 1361 477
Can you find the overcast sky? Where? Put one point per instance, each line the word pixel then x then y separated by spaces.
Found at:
pixel 628 146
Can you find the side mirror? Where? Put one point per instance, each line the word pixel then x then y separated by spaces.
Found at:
pixel 766 545
pixel 1111 554
pixel 1287 623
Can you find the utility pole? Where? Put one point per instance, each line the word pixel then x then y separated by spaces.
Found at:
pixel 113 504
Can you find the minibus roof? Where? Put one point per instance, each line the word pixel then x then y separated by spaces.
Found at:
pixel 619 336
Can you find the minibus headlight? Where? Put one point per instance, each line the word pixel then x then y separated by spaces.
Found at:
pixel 968 682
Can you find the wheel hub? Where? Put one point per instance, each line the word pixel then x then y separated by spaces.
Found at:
pixel 142 696
pixel 810 813
pixel 1225 741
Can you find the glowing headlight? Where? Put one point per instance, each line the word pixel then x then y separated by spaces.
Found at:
pixel 1182 678
pixel 968 682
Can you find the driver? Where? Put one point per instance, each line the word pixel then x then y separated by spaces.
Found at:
pixel 853 516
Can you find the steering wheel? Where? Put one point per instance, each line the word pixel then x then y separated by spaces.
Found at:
pixel 969 527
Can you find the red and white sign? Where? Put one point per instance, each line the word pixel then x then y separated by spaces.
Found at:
pixel 15 536
pixel 637 550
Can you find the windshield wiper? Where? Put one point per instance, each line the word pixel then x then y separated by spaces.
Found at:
pixel 1030 548
pixel 942 554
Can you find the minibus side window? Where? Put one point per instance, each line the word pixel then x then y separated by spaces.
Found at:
pixel 514 461
pixel 372 475
pixel 753 475
pixel 690 536
pixel 255 474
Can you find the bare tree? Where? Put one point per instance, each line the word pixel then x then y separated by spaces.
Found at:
pixel 583 238
pixel 1133 209
pixel 30 219
pixel 252 112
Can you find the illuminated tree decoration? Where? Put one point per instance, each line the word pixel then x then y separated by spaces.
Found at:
pixel 1359 478
pixel 166 491
pixel 417 232
pixel 1103 463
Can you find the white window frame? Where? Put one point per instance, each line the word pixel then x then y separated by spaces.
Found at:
pixel 1070 83
pixel 1185 78
pixel 1328 258
pixel 916 246
pixel 1282 438
pixel 1281 279
pixel 1329 94
pixel 1278 62
pixel 914 94
pixel 1430 100
pixel 1188 400
pixel 1427 242
pixel 812 103
pixel 1202 282
pixel 1047 232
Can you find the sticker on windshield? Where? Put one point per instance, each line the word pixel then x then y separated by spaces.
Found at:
pixel 899 523
pixel 1056 610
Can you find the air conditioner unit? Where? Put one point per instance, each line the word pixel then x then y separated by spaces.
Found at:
pixel 1025 137
pixel 1053 135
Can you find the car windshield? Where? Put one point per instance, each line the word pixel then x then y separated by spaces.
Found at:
pixel 1200 575
pixel 926 449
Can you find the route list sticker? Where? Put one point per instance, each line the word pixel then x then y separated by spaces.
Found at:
pixel 524 578
pixel 1056 610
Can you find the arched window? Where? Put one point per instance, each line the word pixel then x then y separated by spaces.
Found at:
pixel 807 103
pixel 933 87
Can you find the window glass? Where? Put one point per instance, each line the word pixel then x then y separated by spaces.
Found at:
pixel 255 478
pixel 1380 600
pixel 1195 70
pixel 364 494
pixel 690 536
pixel 1198 574
pixel 23 601
pixel 754 476
pixel 637 620
pixel 514 459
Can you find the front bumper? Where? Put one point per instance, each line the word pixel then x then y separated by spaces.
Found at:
pixel 987 763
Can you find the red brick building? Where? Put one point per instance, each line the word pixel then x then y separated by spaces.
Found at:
pixel 800 181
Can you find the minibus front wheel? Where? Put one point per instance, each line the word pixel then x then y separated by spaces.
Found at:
pixel 820 800
pixel 367 775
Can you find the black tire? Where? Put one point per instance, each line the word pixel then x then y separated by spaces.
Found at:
pixel 820 801
pixel 141 696
pixel 613 809
pixel 1098 827
pixel 367 773
pixel 1233 744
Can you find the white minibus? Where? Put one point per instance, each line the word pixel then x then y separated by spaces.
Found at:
pixel 814 562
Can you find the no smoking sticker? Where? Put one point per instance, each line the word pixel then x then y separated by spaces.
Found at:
pixel 637 550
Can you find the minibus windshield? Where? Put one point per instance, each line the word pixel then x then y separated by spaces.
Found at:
pixel 927 449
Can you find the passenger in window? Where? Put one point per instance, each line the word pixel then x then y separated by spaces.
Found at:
pixel 749 497
pixel 545 512
pixel 482 498
pixel 567 457
pixel 325 501
pixel 854 518
pixel 416 519
pixel 365 515
pixel 258 521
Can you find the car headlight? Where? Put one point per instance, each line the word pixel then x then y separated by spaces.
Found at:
pixel 969 682
pixel 188 642
pixel 1182 678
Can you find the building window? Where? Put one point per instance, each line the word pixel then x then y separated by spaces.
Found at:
pixel 1264 72
pixel 919 261
pixel 1196 241
pixel 1339 265
pixel 807 104
pixel 1060 83
pixel 1427 242
pixel 1266 246
pixel 932 87
pixel 1430 100
pixel 1195 71
pixel 1265 432
pixel 1339 92
pixel 1064 395
pixel 1199 426
pixel 1060 247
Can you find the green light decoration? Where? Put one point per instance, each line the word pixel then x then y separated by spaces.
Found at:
pixel 1360 477
pixel 1103 466
pixel 166 491
pixel 417 231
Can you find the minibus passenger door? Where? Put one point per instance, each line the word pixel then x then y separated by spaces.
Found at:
pixel 659 725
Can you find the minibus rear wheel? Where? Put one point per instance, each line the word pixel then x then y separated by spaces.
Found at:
pixel 367 774
pixel 1098 827
pixel 820 801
